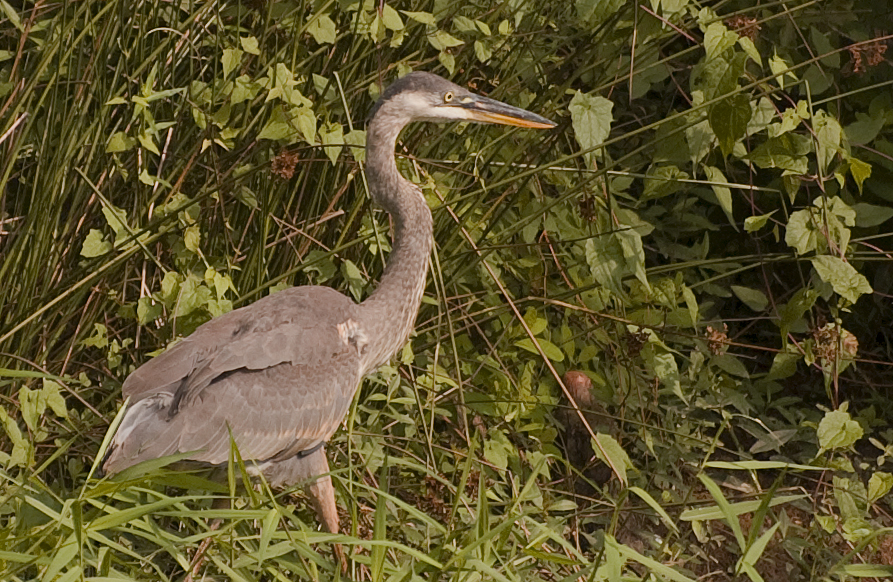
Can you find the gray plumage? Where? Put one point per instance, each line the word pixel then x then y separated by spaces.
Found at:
pixel 263 372
pixel 280 374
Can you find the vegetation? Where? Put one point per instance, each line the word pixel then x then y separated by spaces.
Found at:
pixel 705 238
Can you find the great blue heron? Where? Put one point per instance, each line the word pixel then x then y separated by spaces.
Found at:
pixel 279 375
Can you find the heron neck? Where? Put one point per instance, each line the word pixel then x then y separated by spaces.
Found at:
pixel 389 313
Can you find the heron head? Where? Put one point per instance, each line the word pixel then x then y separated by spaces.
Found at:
pixel 421 96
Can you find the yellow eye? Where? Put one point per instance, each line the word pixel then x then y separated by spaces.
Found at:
pixel 448 96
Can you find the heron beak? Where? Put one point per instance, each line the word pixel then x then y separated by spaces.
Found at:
pixel 486 110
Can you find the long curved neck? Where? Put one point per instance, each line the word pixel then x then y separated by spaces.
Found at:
pixel 388 315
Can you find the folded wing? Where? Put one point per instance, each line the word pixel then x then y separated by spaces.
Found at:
pixel 278 375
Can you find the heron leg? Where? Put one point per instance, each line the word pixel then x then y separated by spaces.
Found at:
pixel 199 558
pixel 322 496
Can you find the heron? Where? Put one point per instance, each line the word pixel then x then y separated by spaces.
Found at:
pixel 277 376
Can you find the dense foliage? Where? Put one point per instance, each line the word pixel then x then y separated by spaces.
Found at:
pixel 705 240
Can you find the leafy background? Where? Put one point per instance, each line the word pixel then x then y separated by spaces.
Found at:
pixel 698 256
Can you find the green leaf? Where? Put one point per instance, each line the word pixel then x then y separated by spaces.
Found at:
pixel 99 338
pixel 838 431
pixel 250 45
pixel 864 130
pixel 377 30
pixel 591 118
pixel 231 59
pixel 852 500
pixel 332 135
pixel 391 18
pixel 52 392
pixel 860 171
pixel 111 520
pixel 779 68
pixel 787 152
pixel 21 447
pixel 791 118
pixel 865 570
pixel 843 277
pixel 817 79
pixel 729 118
pixel 830 56
pixel 355 280
pixel 62 557
pixel 322 29
pixel 148 142
pixel 755 223
pixel 662 570
pixel 31 405
pixel 726 509
pixel 552 351
pixel 95 245
pixel 482 51
pixel 306 121
pixel 594 12
pixel 562 505
pixel 497 449
pixel 750 49
pixel 119 142
pixel 12 15
pixel 612 454
pixel 763 115
pixel 753 298
pixel 147 310
pixel 800 233
pixel 448 61
pixel 244 89
pixel 784 365
pixel 170 286
pixel 441 40
pixel 755 551
pixel 662 181
pixel 827 523
pixel 535 323
pixel 357 139
pixel 723 194
pixel 221 283
pixel 277 127
pixel 321 263
pixel 828 132
pixel 805 234
pixel 761 466
pixel 879 484
pixel 193 294
pixel 730 364
pixel 869 215
pixel 691 303
pixel 663 365
pixel 422 17
pixel 192 238
pixel 792 312
pixel 246 196
pixel 653 504
pixel 718 39
pixel 634 253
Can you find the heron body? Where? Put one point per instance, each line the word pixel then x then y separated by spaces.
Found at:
pixel 279 375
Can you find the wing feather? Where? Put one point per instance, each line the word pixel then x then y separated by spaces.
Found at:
pixel 271 331
pixel 277 375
